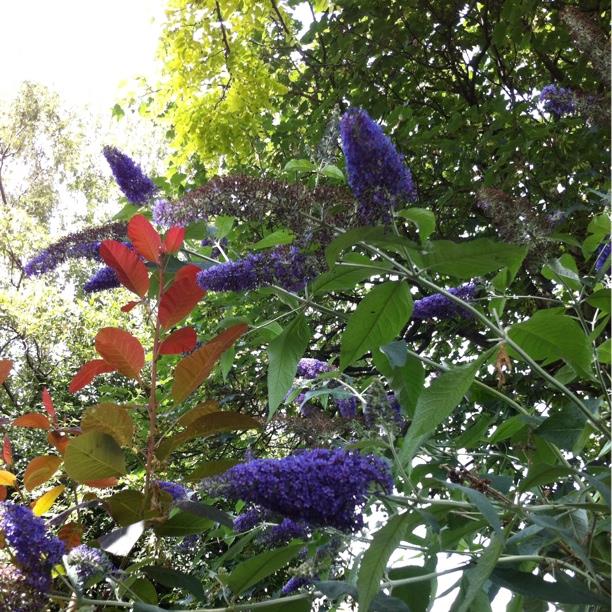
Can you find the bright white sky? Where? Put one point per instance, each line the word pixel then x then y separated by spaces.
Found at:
pixel 82 49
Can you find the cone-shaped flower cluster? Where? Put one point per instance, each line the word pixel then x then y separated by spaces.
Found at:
pixel 175 490
pixel 105 278
pixel 377 173
pixel 440 306
pixel 321 487
pixel 88 563
pixel 310 368
pixel 602 256
pixel 558 101
pixel 137 187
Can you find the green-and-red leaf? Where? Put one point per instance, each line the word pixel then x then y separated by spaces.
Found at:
pixel 144 238
pixel 181 297
pixel 35 420
pixel 5 369
pixel 173 239
pixel 88 372
pixel 181 341
pixel 121 350
pixel 131 272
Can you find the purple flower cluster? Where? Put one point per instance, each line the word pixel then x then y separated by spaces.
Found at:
pixel 321 487
pixel 88 563
pixel 310 368
pixel 558 101
pixel 216 251
pixel 602 255
pixel 284 532
pixel 287 267
pixel 35 550
pixel 347 407
pixel 295 583
pixel 16 595
pixel 249 519
pixel 137 187
pixel 175 490
pixel 377 174
pixel 105 278
pixel 83 244
pixel 440 306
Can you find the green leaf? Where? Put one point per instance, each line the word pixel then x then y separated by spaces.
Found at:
pixel 474 578
pixel 601 299
pixel 126 213
pixel 284 353
pixel 406 380
pixel 437 402
pixel 604 351
pixel 223 226
pixel 281 236
pixel 375 559
pixel 563 427
pixel 416 594
pixel 182 524
pixel 126 507
pixel 333 172
pixel 472 258
pixel 474 432
pixel 548 336
pixel 111 419
pixel 349 239
pixel 175 580
pixel 378 319
pixel 211 468
pixel 121 541
pixel 205 511
pixel 92 456
pixel 541 473
pixel 564 271
pixel 481 502
pixel 344 276
pixel 250 572
pixel 568 591
pixel 299 166
pixel 424 219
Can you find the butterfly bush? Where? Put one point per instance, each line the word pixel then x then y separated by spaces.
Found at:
pixel 310 368
pixel 377 173
pixel 295 583
pixel 16 594
pixel 136 186
pixel 284 532
pixel 440 306
pixel 34 549
pixel 347 407
pixel 105 278
pixel 87 563
pixel 175 490
pixel 321 487
pixel 82 244
pixel 558 101
pixel 602 256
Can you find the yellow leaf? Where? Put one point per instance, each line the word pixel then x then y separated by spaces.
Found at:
pixel 7 479
pixel 45 501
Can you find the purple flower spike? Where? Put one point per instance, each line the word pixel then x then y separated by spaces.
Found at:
pixel 320 487
pixel 558 101
pixel 136 186
pixel 440 306
pixel 105 278
pixel 89 562
pixel 310 368
pixel 175 490
pixel 377 174
pixel 602 255
pixel 294 584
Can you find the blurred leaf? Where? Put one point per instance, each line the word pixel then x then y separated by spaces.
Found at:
pixel 121 541
pixel 274 239
pixel 423 218
pixel 40 469
pixel 175 580
pixel 111 419
pixel 93 455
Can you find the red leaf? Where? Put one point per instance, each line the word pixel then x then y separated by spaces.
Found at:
pixel 131 271
pixel 103 483
pixel 180 341
pixel 88 372
pixel 7 451
pixel 48 404
pixel 36 420
pixel 5 369
pixel 3 493
pixel 144 238
pixel 181 297
pixel 173 240
pixel 127 307
pixel 70 534
pixel 191 371
pixel 59 440
pixel 121 350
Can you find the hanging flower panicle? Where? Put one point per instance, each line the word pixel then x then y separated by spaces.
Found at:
pixel 440 306
pixel 137 187
pixel 105 278
pixel 377 173
pixel 310 368
pixel 558 101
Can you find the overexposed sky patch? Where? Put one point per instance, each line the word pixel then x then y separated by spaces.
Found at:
pixel 83 49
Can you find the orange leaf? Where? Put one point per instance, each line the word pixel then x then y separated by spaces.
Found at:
pixel 48 404
pixel 181 297
pixel 103 483
pixel 40 469
pixel 144 238
pixel 180 341
pixel 88 372
pixel 35 420
pixel 127 307
pixel 60 441
pixel 5 369
pixel 7 451
pixel 121 350
pixel 191 371
pixel 70 534
pixel 3 492
pixel 173 239
pixel 131 271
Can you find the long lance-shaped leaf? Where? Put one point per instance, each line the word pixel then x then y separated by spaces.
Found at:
pixel 131 272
